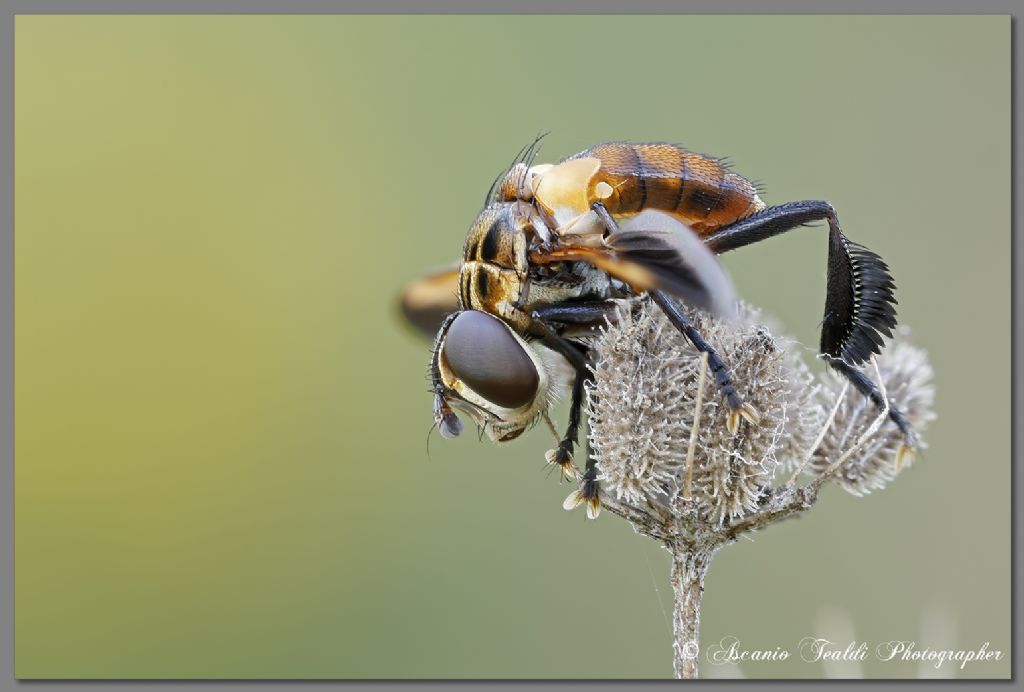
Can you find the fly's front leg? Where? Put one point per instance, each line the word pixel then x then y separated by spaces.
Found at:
pixel 737 407
pixel 584 313
pixel 562 455
pixel 589 490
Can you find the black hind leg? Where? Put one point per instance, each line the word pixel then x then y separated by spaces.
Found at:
pixel 866 387
pixel 859 300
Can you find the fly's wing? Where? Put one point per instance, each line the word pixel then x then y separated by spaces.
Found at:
pixel 681 262
pixel 655 251
pixel 426 301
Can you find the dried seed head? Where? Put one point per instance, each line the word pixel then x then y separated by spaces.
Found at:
pixel 643 401
pixel 907 376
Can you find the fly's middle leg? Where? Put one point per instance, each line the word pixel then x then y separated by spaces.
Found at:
pixel 737 407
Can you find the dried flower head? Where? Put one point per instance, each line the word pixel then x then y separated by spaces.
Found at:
pixel 669 464
pixel 907 377
pixel 646 396
pixel 643 403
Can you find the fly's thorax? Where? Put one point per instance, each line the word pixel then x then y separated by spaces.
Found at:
pixel 571 281
pixel 519 182
pixel 562 194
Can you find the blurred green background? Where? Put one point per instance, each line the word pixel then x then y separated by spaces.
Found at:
pixel 221 429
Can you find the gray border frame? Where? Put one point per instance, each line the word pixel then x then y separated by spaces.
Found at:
pixel 8 11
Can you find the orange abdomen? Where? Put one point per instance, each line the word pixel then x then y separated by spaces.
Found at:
pixel 698 189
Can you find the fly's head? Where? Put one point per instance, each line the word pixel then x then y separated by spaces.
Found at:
pixel 484 369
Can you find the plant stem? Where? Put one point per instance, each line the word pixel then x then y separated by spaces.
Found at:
pixel 689 566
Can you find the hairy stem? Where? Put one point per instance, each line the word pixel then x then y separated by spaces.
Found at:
pixel 689 567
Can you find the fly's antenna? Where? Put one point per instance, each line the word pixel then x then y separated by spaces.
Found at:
pixel 433 427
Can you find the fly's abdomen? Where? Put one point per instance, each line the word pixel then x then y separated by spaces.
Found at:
pixel 701 191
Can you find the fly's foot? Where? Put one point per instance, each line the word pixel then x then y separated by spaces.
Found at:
pixel 905 453
pixel 908 449
pixel 592 495
pixel 588 493
pixel 743 410
pixel 563 458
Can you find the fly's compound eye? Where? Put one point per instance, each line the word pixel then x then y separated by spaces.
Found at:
pixel 481 351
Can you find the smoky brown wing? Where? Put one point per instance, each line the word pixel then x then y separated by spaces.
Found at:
pixel 426 301
pixel 655 251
